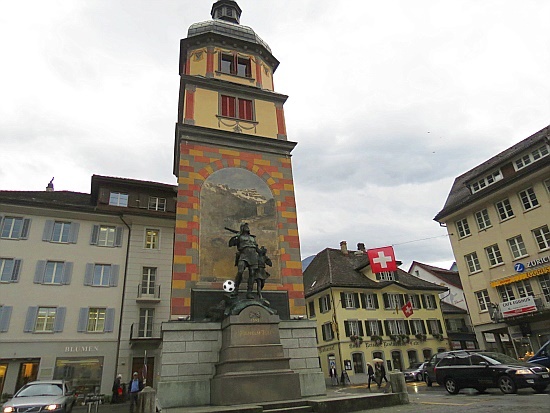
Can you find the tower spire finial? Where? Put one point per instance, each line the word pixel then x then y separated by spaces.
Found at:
pixel 227 10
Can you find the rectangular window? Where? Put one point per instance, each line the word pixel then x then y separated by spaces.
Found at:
pixel 152 239
pixel 61 231
pixel 118 199
pixel 146 316
pixel 148 280
pixel 324 303
pixel 528 199
pixel 493 255
pixel 386 276
pixel 101 275
pixel 53 273
pixel 529 158
pixel 5 316
pixel 350 300
pixel 517 247
pixel 15 228
pixel 393 301
pixel 417 327
pixel 504 209
pixel 311 306
pixel 506 292
pixel 415 300
pixel 434 327
pixel 542 236
pixel 394 327
pixel 328 334
pixel 544 281
pixel 353 328
pixel 483 300
pixel 429 301
pixel 106 236
pixel 370 302
pixel 524 289
pixel 9 270
pixel 547 185
pixel 484 182
pixel 472 262
pixel 235 65
pixel 96 320
pixel 374 328
pixel 45 319
pixel 156 204
pixel 482 219
pixel 239 108
pixel 463 228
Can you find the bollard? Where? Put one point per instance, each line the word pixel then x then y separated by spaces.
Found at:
pixel 146 400
pixel 399 385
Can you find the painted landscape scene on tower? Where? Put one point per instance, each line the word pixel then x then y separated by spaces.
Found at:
pixel 228 198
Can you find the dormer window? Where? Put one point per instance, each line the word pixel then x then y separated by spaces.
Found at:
pixel 529 158
pixel 386 276
pixel 485 182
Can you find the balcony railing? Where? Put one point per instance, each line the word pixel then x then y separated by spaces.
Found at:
pixel 460 329
pixel 148 294
pixel 145 332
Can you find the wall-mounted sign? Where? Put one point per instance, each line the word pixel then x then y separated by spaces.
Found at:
pixel 521 276
pixel 347 364
pixel 518 307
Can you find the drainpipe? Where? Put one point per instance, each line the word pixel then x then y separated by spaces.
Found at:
pixel 123 292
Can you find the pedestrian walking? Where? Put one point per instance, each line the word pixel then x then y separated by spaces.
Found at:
pixel 370 374
pixel 117 390
pixel 136 385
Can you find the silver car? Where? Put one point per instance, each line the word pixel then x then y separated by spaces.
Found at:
pixel 415 372
pixel 41 396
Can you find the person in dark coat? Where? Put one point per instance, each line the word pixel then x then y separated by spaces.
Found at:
pixel 117 387
pixel 383 373
pixel 370 374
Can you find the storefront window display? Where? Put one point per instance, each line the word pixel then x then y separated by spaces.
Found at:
pixel 82 374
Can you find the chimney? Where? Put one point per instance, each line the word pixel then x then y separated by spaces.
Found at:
pixel 361 247
pixel 344 247
pixel 49 188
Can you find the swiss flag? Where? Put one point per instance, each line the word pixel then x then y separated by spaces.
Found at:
pixel 382 259
pixel 407 309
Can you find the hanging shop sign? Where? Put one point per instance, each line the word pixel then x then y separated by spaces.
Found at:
pixel 518 307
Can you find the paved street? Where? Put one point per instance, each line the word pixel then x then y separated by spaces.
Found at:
pixel 427 400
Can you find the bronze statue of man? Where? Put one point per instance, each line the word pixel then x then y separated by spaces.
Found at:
pixel 247 257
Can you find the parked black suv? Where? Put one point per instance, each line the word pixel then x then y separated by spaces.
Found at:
pixel 485 369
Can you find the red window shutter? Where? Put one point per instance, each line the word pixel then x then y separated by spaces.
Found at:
pixel 245 109
pixel 228 106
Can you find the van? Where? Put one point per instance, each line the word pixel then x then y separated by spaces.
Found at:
pixel 542 356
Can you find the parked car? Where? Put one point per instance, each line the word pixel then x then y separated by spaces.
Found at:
pixel 428 372
pixel 542 356
pixel 415 372
pixel 486 369
pixel 38 396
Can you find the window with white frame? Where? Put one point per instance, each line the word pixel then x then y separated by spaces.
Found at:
pixel 463 228
pixel 96 320
pixel 118 199
pixel 544 281
pixel 531 157
pixel 9 270
pixel 101 275
pixel 311 307
pixel 45 319
pixel 374 327
pixel 353 328
pixel 547 185
pixel 504 209
pixel 106 236
pixel 429 301
pixel 386 276
pixel 350 300
pixel 60 232
pixel 528 199
pixel 324 303
pixel 327 331
pixel 493 255
pixel 524 288
pixel 483 300
pixel 148 280
pixel 370 301
pixel 394 327
pixel 157 204
pixel 417 327
pixel 482 219
pixel 414 299
pixel 15 228
pixel 486 181
pixel 542 236
pixel 393 301
pixel 152 237
pixel 517 247
pixel 472 262
pixel 434 327
pixel 52 272
pixel 145 327
pixel 506 292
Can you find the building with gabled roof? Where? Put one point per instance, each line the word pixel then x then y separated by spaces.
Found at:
pixel 359 314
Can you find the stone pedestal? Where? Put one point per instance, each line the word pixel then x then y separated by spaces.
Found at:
pixel 252 367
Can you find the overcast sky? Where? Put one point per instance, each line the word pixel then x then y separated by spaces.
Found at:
pixel 389 101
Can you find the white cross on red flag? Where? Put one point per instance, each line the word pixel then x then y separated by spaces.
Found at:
pixel 382 259
pixel 407 309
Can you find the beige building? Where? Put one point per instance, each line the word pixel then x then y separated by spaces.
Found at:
pixel 84 282
pixel 359 314
pixel 497 216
